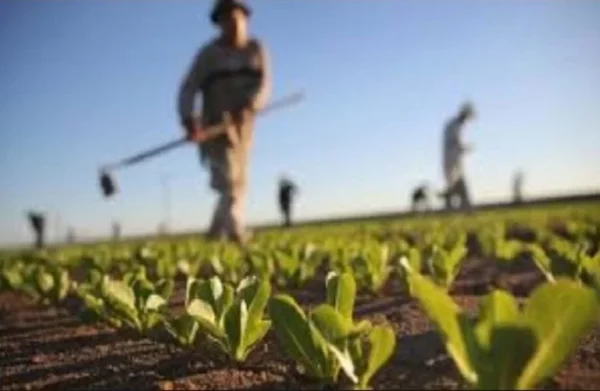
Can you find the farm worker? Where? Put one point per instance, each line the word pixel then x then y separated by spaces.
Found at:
pixel 38 224
pixel 287 191
pixel 232 73
pixel 453 153
pixel 518 187
pixel 420 198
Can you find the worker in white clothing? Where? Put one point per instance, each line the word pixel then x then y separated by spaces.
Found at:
pixel 454 150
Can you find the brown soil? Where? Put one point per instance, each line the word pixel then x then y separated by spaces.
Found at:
pixel 42 347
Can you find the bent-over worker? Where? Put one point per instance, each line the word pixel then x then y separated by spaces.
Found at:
pixel 453 153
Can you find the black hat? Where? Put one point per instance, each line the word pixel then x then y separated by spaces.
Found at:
pixel 467 109
pixel 226 6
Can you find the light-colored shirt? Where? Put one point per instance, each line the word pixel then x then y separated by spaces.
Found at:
pixel 452 152
pixel 228 78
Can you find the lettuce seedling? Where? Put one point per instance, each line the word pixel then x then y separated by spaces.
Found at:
pixel 444 265
pixel 372 267
pixel 184 327
pixel 506 348
pixel 232 318
pixel 295 264
pixel 326 340
pixel 226 261
pixel 46 283
pixel 136 301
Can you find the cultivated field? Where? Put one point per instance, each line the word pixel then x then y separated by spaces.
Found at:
pixel 494 299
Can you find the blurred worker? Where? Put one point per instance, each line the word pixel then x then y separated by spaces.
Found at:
pixel 454 149
pixel 116 231
pixel 38 224
pixel 287 192
pixel 71 235
pixel 518 187
pixel 420 198
pixel 232 72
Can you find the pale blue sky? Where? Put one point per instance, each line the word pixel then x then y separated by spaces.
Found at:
pixel 86 82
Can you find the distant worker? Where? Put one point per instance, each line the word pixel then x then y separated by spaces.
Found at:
pixel 232 73
pixel 287 192
pixel 38 224
pixel 420 198
pixel 116 231
pixel 454 149
pixel 71 235
pixel 518 187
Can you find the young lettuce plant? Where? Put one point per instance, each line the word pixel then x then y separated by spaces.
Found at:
pixel 262 264
pixel 46 283
pixel 569 260
pixel 232 318
pixel 507 348
pixel 135 300
pixel 372 267
pixel 90 293
pixel 184 327
pixel 327 339
pixel 295 264
pixel 227 263
pixel 444 265
pixel 541 260
pixel 368 346
pixel 413 257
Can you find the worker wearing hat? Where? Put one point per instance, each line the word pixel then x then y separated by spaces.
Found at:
pixel 287 192
pixel 232 73
pixel 38 224
pixel 453 153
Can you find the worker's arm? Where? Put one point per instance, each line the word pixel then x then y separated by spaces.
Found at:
pixel 261 94
pixel 192 83
pixel 466 148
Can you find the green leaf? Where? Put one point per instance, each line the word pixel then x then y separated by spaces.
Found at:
pixel 505 345
pixel 191 287
pixel 205 315
pixel 360 328
pixel 121 300
pixel 496 308
pixel 341 293
pixel 295 335
pixel 183 328
pixel 119 291
pixel 155 303
pixel 331 323
pixel 236 319
pixel 165 288
pixel 255 332
pixel 257 295
pixel 381 345
pixel 45 280
pixel 63 284
pixel 542 261
pixel 560 314
pixel 344 360
pixel 511 345
pixel 457 333
pixel 414 259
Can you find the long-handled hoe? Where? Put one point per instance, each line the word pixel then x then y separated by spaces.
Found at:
pixel 107 181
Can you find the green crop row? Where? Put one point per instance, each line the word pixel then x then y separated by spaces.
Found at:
pixel 234 297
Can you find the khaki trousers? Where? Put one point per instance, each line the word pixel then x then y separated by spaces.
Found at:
pixel 227 165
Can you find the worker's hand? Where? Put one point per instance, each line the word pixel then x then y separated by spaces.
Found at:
pixel 467 148
pixel 194 132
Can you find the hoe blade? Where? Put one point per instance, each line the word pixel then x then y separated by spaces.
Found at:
pixel 107 184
